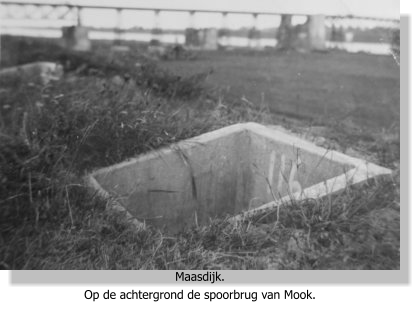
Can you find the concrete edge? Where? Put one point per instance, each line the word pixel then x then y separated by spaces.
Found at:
pixel 112 204
pixel 240 127
pixel 185 144
pixel 280 136
pixel 354 176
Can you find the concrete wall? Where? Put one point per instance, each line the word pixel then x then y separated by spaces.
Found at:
pixel 225 172
pixel 287 168
pixel 179 187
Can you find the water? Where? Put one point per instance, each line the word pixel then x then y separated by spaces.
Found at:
pixel 355 47
pixel 352 47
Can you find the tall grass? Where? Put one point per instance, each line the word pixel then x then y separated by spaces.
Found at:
pixel 103 112
pixel 106 110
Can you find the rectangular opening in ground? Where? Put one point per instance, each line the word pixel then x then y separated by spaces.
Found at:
pixel 220 173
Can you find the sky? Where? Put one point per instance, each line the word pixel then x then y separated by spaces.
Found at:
pixel 108 18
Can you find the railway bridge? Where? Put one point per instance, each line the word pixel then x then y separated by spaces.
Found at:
pixel 69 18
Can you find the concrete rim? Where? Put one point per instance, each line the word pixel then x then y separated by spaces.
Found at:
pixel 361 172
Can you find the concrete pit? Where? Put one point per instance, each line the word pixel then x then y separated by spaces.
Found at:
pixel 234 171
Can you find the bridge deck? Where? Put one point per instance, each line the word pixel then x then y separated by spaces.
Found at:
pixel 127 7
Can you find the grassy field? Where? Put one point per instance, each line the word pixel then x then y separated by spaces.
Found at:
pixel 109 107
pixel 334 86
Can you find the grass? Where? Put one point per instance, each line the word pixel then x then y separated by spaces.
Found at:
pixel 316 86
pixel 360 233
pixel 50 136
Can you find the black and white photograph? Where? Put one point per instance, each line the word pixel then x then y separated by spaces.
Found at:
pixel 200 135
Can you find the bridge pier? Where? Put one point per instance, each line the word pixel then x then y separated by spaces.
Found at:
pixel 202 38
pixel 284 33
pixel 303 37
pixel 224 33
pixel 192 37
pixel 119 25
pixel 254 34
pixel 76 38
pixel 317 32
pixel 210 39
pixel 156 31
